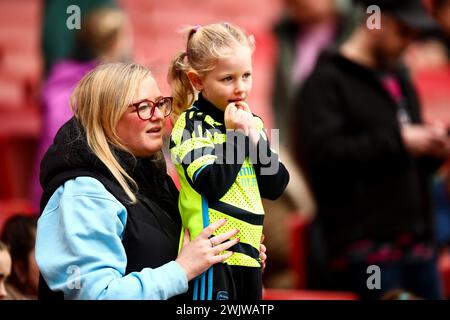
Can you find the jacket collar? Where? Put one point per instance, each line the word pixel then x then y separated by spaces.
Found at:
pixel 207 107
pixel 70 151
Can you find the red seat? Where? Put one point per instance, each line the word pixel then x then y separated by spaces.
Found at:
pixel 279 294
pixel 23 13
pixel 433 87
pixel 13 206
pixel 19 130
pixel 444 270
pixel 12 93
pixel 297 227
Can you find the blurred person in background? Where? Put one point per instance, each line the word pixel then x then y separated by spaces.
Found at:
pixel 440 10
pixel 430 59
pixel 304 30
pixel 369 160
pixel 441 192
pixel 5 269
pixel 431 53
pixel 105 36
pixel 19 234
pixel 58 40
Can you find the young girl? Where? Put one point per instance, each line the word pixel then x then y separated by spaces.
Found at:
pixel 222 155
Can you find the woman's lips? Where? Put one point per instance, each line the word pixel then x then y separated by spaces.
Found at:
pixel 154 130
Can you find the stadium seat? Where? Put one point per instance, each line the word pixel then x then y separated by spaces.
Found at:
pixel 297 227
pixel 281 294
pixel 13 206
pixel 444 270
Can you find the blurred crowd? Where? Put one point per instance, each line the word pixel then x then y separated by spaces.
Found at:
pixel 366 141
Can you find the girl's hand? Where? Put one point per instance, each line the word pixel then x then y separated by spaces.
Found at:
pixel 198 255
pixel 262 253
pixel 253 132
pixel 238 117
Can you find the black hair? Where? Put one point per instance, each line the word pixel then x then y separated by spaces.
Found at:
pixel 19 233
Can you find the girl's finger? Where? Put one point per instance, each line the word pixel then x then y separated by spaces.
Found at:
pixel 244 106
pixel 262 248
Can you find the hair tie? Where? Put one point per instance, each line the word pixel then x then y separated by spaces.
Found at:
pixel 226 24
pixel 196 28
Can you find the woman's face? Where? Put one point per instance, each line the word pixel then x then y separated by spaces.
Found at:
pixel 5 271
pixel 142 137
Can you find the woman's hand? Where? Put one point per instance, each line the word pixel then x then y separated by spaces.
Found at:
pixel 198 255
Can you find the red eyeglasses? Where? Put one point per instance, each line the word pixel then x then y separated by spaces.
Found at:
pixel 146 108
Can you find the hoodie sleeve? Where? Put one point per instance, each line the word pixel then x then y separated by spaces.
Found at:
pixel 81 253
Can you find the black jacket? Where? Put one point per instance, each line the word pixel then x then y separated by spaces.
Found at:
pixel 153 223
pixel 348 141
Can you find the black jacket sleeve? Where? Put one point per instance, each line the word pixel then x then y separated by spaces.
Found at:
pixel 271 174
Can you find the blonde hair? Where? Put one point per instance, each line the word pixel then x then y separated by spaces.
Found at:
pixel 205 45
pixel 98 102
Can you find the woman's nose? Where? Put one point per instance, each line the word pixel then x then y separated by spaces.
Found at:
pixel 158 114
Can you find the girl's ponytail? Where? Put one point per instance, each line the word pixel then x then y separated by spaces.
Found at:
pixel 182 91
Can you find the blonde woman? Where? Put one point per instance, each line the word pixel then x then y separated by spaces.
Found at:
pixel 110 226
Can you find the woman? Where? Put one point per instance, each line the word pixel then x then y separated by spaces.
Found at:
pixel 5 269
pixel 110 225
pixel 19 234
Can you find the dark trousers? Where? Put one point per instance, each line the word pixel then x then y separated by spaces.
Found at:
pixel 225 282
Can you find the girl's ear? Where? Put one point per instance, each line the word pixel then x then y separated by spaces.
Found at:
pixel 195 80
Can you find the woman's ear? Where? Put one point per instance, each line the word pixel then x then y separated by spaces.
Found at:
pixel 195 80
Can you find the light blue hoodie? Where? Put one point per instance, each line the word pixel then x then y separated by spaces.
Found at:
pixel 79 248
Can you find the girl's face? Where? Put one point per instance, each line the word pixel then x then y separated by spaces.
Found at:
pixel 142 137
pixel 231 79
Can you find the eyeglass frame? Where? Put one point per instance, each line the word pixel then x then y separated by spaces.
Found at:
pixel 153 104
